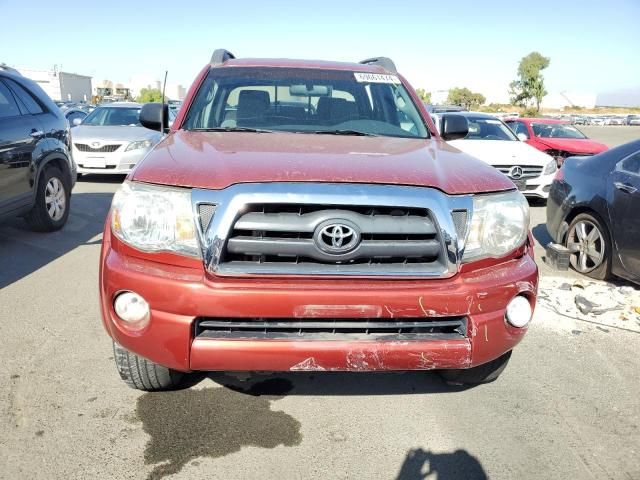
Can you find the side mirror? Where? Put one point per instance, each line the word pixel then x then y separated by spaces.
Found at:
pixel 523 137
pixel 76 122
pixel 154 115
pixel 454 127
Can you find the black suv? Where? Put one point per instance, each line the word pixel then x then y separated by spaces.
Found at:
pixel 37 172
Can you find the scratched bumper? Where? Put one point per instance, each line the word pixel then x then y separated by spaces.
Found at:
pixel 179 295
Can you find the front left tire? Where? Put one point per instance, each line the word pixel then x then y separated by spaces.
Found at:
pixel 142 374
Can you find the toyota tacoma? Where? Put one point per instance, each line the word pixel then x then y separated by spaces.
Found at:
pixel 308 216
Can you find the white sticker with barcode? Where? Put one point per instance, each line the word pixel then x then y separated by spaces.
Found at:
pixel 375 78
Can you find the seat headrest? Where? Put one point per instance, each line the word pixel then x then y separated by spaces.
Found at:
pixel 252 103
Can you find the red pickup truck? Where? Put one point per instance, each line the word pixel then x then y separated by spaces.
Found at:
pixel 306 215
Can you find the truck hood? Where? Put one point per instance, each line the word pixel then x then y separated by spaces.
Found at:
pixel 503 153
pixel 573 145
pixel 216 160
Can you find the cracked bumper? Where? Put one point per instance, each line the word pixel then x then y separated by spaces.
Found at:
pixel 178 295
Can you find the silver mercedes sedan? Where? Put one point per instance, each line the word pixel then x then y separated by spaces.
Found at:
pixel 110 140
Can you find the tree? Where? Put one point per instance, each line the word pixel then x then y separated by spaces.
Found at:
pixel 465 98
pixel 424 95
pixel 529 87
pixel 148 95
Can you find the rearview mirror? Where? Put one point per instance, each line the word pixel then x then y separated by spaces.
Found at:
pixel 155 115
pixel 309 90
pixel 523 137
pixel 454 127
pixel 76 122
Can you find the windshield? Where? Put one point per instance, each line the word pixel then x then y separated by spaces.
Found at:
pixel 481 128
pixel 556 130
pixel 114 116
pixel 305 101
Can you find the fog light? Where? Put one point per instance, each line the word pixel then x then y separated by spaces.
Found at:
pixel 519 311
pixel 131 308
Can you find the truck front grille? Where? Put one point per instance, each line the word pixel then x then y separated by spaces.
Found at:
pixel 419 328
pixel 331 229
pixel 317 237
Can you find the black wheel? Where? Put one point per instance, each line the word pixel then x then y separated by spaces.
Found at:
pixel 51 209
pixel 484 373
pixel 590 247
pixel 140 373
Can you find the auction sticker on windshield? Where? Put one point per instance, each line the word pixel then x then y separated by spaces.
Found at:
pixel 375 78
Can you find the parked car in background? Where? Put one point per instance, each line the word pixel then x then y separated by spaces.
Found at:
pixel 593 210
pixel 37 173
pixel 615 120
pixel 111 139
pixel 443 108
pixel 75 116
pixel 493 142
pixel 633 119
pixel 580 120
pixel 554 137
pixel 406 247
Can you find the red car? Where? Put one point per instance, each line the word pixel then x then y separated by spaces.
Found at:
pixel 306 215
pixel 555 137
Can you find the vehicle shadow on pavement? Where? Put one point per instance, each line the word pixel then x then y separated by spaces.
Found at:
pixel 420 464
pixel 23 251
pixel 337 383
pixel 541 234
pixel 185 425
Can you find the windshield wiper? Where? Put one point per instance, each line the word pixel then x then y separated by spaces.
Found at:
pixel 232 129
pixel 345 132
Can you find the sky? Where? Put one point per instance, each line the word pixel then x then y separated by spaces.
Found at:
pixel 592 44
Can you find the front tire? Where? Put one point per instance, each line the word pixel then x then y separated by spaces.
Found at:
pixel 51 210
pixel 588 241
pixel 141 374
pixel 485 373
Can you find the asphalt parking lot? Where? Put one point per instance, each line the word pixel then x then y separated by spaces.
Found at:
pixel 566 407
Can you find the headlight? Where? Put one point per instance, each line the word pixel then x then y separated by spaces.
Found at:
pixel 139 144
pixel 550 167
pixel 155 219
pixel 499 225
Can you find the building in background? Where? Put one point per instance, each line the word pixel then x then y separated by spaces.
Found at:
pixel 61 86
pixel 110 91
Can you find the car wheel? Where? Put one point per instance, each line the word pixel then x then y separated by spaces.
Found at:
pixel 140 373
pixel 485 373
pixel 589 246
pixel 51 210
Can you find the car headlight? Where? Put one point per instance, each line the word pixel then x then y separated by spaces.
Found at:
pixel 499 225
pixel 550 167
pixel 155 219
pixel 139 144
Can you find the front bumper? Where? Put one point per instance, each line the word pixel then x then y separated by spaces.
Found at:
pixel 179 295
pixel 119 162
pixel 538 187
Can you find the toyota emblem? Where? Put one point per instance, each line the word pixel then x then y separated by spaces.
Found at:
pixel 337 237
pixel 95 145
pixel 516 172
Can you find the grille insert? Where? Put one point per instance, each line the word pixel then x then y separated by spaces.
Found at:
pixel 269 235
pixel 83 147
pixel 527 171
pixel 206 212
pixel 420 328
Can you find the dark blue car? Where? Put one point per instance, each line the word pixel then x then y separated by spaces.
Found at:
pixel 594 210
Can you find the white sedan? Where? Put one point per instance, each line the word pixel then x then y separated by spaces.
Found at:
pixel 493 142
